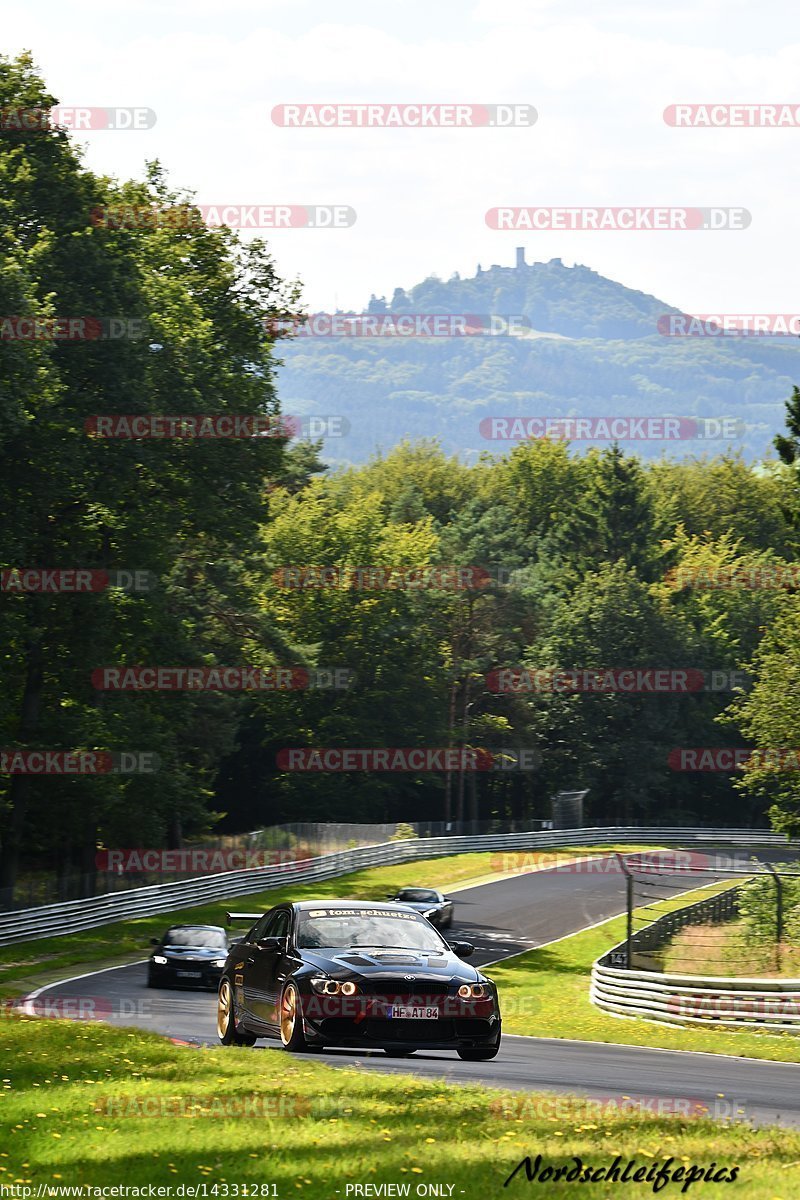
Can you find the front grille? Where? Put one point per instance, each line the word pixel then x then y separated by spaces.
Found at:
pixel 409 1031
pixel 375 1030
pixel 404 987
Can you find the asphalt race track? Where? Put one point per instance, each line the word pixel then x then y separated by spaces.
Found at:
pixel 503 918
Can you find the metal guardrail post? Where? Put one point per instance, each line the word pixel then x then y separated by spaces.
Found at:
pixel 629 906
pixel 778 913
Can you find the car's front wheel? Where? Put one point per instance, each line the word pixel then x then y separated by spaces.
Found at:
pixel 227 1032
pixel 478 1053
pixel 292 1035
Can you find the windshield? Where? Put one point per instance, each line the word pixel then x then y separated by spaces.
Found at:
pixel 368 928
pixel 197 938
pixel 418 896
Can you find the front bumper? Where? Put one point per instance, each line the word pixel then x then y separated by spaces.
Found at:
pixel 367 1022
pixel 188 974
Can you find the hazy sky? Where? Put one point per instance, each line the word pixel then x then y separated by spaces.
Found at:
pixel 599 74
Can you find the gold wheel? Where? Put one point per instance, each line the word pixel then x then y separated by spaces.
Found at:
pixel 288 1015
pixel 224 1010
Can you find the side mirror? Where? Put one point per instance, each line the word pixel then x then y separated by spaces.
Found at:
pixel 276 944
pixel 155 942
pixel 462 949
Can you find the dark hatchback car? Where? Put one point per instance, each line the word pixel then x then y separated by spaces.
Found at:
pixel 355 973
pixel 192 955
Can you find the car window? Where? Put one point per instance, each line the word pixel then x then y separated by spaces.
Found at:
pixel 274 924
pixel 259 929
pixel 419 896
pixel 386 929
pixel 195 937
pixel 281 928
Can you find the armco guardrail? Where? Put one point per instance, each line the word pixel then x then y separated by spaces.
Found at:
pixel 53 920
pixel 693 999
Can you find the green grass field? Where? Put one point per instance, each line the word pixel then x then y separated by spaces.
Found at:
pixel 729 949
pixel 88 1104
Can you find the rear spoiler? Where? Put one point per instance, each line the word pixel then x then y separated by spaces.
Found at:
pixel 242 918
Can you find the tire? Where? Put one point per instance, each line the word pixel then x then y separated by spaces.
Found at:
pixel 398 1053
pixel 478 1053
pixel 291 1020
pixel 227 1032
pixel 150 981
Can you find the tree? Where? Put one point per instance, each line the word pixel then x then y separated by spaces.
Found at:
pixel 83 501
pixel 612 519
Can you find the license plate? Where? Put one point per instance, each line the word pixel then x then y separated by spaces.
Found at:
pixel 400 1012
pixel 190 974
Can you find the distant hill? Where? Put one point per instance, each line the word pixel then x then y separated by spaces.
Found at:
pixel 587 346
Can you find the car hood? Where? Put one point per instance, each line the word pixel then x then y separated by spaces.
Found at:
pixel 356 963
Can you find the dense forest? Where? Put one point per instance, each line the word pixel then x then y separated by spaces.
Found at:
pixel 542 560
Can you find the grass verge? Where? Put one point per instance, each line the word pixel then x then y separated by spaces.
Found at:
pixel 729 949
pixel 87 1104
pixel 545 993
pixel 25 964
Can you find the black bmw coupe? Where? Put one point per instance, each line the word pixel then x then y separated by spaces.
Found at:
pixel 355 973
pixel 191 955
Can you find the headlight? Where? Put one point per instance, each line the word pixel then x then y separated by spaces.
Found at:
pixel 473 991
pixel 218 962
pixel 332 987
pixel 159 958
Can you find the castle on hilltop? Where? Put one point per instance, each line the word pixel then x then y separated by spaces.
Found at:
pixel 554 262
